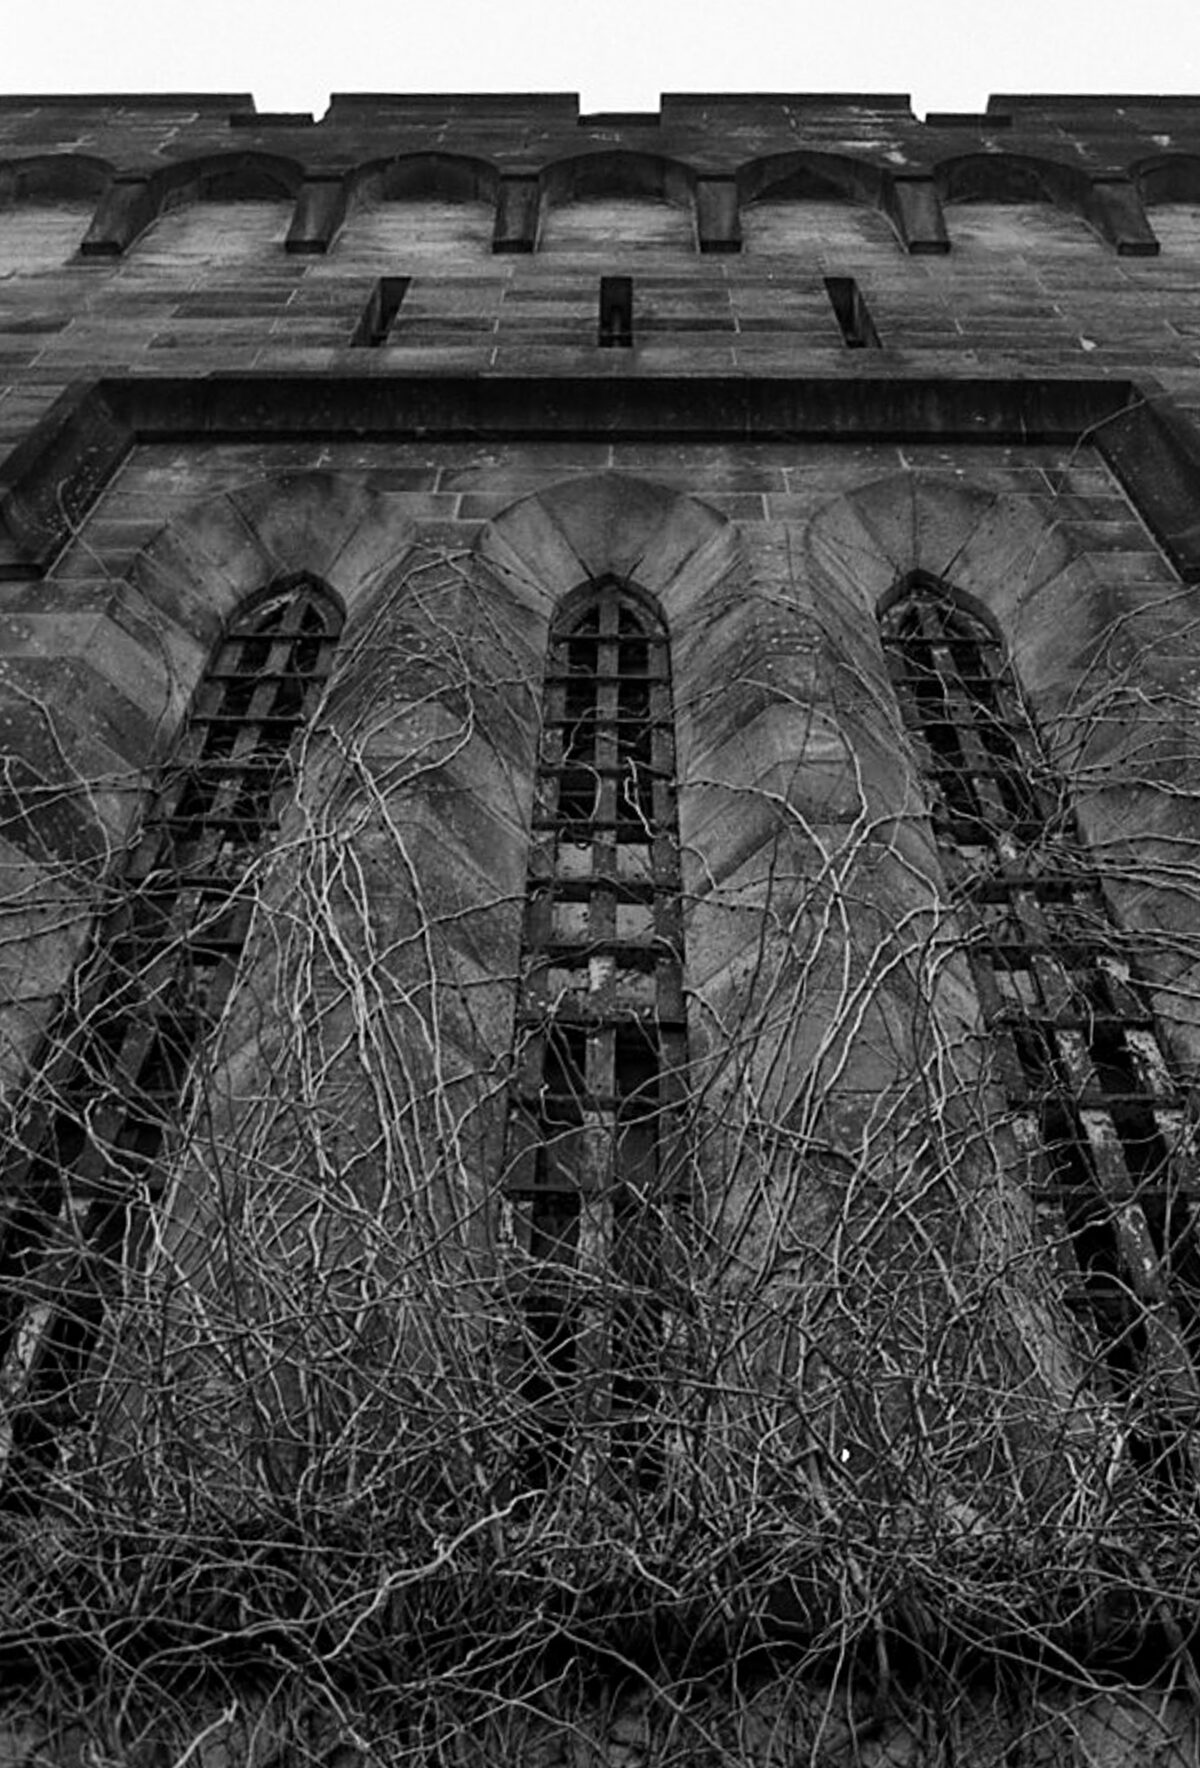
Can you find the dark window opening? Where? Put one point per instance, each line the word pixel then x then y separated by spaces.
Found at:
pixel 589 1172
pixel 616 312
pixel 1073 1029
pixel 852 313
pixel 962 711
pixel 85 1158
pixel 379 314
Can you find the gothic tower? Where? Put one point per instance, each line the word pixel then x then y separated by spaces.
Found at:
pixel 599 995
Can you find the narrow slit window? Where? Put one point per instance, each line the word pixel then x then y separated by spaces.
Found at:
pixel 379 314
pixel 852 313
pixel 92 1139
pixel 1073 1030
pixel 616 312
pixel 593 1176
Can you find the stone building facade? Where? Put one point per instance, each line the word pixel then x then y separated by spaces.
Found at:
pixel 599 984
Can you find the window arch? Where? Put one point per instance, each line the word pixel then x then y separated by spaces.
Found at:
pixel 1086 1076
pixel 86 1155
pixel 593 1175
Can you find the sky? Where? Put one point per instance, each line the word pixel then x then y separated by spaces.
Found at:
pixel 618 54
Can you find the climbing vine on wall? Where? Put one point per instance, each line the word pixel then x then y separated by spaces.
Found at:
pixel 831 1468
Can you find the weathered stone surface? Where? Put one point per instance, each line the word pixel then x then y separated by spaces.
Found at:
pixel 857 1170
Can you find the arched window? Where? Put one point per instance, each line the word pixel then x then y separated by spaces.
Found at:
pixel 594 1175
pixel 962 711
pixel 1086 1074
pixel 87 1152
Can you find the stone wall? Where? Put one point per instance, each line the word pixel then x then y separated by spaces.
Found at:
pixel 1021 238
pixel 203 272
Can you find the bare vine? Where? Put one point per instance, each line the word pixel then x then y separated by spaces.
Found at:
pixel 895 1514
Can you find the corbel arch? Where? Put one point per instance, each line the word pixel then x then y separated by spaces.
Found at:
pixel 616 175
pixel 1169 186
pixel 1010 178
pixel 419 203
pixel 1167 178
pixel 1019 178
pixel 804 175
pixel 617 172
pixel 47 202
pixel 135 201
pixel 450 177
pixel 136 198
pixel 57 177
pixel 853 186
pixel 227 177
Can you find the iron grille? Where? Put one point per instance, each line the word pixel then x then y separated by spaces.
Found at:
pixel 593 1175
pixel 88 1154
pixel 1092 1092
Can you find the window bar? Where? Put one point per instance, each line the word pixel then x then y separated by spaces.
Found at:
pixel 1077 1044
pixel 89 1154
pixel 601 1006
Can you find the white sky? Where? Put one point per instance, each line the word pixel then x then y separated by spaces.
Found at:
pixel 618 54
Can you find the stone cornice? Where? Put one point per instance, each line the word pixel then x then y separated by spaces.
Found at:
pixel 51 479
